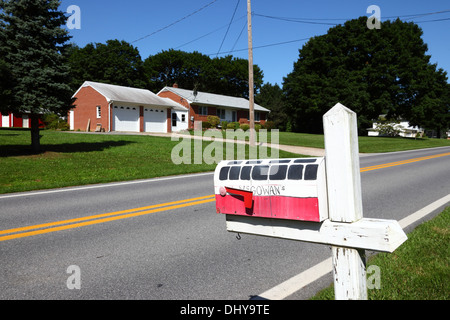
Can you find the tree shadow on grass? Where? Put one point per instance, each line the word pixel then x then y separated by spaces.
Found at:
pixel 25 150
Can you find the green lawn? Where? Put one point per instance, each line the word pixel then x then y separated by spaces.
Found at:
pixel 366 144
pixel 70 159
pixel 418 270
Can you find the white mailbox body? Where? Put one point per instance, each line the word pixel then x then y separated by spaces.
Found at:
pixel 293 189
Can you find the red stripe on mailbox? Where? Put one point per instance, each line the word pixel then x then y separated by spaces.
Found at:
pixel 280 207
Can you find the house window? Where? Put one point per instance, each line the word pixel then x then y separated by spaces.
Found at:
pixel 99 112
pixel 183 118
pixel 221 114
pixel 256 114
pixel 203 111
pixel 174 119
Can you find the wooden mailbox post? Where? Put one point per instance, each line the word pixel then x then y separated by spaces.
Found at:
pixel 345 229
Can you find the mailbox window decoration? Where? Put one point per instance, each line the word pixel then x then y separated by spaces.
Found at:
pixel 293 189
pixel 295 172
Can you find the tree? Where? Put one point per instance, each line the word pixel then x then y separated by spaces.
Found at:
pixel 372 71
pixel 272 98
pixel 31 43
pixel 6 87
pixel 188 70
pixel 116 62
pixel 229 76
pixel 432 109
pixel 224 75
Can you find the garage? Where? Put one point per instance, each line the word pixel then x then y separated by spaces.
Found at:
pixel 155 120
pixel 126 118
pixel 123 109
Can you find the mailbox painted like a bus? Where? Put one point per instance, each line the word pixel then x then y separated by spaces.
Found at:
pixel 293 189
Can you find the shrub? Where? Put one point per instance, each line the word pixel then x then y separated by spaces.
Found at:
pixel 389 129
pixel 233 125
pixel 269 125
pixel 245 126
pixel 53 121
pixel 213 121
pixel 206 125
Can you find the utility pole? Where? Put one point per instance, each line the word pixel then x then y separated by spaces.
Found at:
pixel 250 75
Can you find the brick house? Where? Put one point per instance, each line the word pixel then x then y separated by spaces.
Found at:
pixel 106 107
pixel 201 104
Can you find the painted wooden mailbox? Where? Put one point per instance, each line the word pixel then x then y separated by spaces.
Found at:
pixel 311 199
pixel 293 189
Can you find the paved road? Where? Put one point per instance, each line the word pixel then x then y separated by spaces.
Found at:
pixel 177 250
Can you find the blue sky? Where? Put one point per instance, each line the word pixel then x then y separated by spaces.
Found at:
pixel 204 26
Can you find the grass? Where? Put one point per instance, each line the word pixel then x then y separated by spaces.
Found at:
pixel 418 270
pixel 366 144
pixel 70 159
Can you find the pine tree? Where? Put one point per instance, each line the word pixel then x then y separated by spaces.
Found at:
pixel 31 44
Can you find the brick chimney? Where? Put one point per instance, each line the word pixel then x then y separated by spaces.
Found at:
pixel 175 85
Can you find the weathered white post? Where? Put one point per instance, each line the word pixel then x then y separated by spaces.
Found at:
pixel 340 222
pixel 344 195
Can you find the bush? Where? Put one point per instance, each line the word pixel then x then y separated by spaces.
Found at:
pixel 206 125
pixel 269 125
pixel 213 121
pixel 257 127
pixel 245 126
pixel 233 125
pixel 389 129
pixel 224 124
pixel 54 122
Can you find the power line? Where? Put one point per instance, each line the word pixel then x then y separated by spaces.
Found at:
pixel 297 20
pixel 231 21
pixel 419 14
pixel 240 34
pixel 318 20
pixel 310 21
pixel 108 50
pixel 262 46
pixel 304 39
pixel 175 22
pixel 209 33
pixel 435 20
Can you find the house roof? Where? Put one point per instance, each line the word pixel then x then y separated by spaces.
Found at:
pixel 115 93
pixel 211 99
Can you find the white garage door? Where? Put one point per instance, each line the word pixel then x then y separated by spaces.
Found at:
pixel 155 120
pixel 126 118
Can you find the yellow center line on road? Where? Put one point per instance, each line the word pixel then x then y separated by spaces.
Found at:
pixel 101 218
pixel 398 163
pixel 124 214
